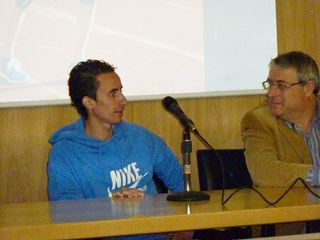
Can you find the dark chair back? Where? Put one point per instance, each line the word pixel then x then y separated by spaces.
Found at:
pixel 236 176
pixel 161 188
pixel 210 169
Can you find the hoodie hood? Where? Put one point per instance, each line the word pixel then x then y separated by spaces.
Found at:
pixel 75 132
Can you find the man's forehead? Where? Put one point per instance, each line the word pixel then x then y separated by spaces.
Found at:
pixel 109 79
pixel 282 73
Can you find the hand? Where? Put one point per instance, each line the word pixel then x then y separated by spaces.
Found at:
pixel 128 193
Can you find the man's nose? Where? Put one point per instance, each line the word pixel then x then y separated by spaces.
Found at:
pixel 273 91
pixel 123 99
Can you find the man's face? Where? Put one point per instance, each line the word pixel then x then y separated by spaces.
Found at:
pixel 110 103
pixel 285 103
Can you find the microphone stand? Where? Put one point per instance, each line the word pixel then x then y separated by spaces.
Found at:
pixel 188 194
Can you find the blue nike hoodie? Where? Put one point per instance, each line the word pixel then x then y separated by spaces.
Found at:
pixel 82 167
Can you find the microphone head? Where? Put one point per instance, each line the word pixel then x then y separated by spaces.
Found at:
pixel 167 101
pixel 172 106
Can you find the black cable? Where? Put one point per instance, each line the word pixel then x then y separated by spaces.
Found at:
pixel 279 199
pixel 224 201
pixel 208 145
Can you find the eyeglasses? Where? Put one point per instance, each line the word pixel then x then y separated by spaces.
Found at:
pixel 279 85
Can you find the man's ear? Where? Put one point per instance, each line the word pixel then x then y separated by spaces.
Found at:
pixel 309 87
pixel 88 102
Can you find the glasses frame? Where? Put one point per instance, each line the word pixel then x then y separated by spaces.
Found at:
pixel 280 85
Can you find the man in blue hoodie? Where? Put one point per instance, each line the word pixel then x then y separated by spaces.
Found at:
pixel 100 155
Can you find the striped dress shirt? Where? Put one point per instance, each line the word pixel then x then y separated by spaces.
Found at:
pixel 312 140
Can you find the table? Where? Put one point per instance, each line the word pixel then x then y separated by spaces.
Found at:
pixel 107 217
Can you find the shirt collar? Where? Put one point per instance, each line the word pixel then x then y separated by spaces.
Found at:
pixel 296 128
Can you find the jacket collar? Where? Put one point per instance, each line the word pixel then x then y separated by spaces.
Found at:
pixel 296 140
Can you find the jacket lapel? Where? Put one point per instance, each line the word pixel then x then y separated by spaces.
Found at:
pixel 296 140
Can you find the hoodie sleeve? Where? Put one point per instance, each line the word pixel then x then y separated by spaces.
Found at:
pixel 62 185
pixel 167 166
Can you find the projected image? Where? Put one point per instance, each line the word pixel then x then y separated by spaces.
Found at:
pixel 11 71
pixel 157 46
pixel 160 47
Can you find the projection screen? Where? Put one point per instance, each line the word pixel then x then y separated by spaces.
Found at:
pixel 182 48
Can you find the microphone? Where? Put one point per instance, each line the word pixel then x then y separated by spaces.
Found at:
pixel 172 106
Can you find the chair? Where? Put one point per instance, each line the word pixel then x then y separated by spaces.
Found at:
pixel 161 188
pixel 313 226
pixel 236 176
pixel 235 169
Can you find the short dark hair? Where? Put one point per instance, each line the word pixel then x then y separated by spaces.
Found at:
pixel 304 64
pixel 83 82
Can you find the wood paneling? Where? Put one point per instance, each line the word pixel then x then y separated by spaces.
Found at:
pixel 24 150
pixel 25 131
pixel 298 24
pixel 217 119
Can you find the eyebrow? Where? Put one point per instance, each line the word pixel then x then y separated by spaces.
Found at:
pixel 268 79
pixel 115 89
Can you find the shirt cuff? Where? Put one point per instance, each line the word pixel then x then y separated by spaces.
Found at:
pixel 313 176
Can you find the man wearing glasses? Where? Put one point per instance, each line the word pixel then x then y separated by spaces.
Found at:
pixel 282 138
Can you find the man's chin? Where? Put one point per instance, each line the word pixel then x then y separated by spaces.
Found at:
pixel 117 120
pixel 276 112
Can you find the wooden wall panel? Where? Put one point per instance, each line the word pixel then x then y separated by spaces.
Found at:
pixel 217 119
pixel 25 131
pixel 298 24
pixel 24 150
